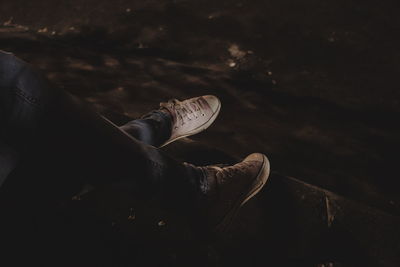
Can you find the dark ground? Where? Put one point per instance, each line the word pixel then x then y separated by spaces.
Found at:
pixel 312 84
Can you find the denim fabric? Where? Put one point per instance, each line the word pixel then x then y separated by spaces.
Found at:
pixel 8 161
pixel 153 128
pixel 58 136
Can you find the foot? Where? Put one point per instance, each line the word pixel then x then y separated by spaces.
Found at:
pixel 191 116
pixel 231 187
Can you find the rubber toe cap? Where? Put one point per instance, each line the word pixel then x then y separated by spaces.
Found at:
pixel 213 102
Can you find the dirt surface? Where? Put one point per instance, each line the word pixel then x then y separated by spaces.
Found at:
pixel 312 84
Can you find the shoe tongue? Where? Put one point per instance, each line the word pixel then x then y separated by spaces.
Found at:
pixel 166 107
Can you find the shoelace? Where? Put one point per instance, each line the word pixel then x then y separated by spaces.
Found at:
pixel 186 111
pixel 229 172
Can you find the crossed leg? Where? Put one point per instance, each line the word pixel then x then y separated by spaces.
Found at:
pixel 55 132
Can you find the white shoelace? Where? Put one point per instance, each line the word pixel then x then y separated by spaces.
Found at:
pixel 184 111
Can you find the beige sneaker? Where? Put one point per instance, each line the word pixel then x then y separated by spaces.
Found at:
pixel 231 187
pixel 191 116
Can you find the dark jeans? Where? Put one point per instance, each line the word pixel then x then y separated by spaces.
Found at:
pixel 51 144
pixel 56 143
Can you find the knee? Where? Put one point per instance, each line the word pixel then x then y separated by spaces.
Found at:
pixel 8 58
pixel 10 66
pixel 5 53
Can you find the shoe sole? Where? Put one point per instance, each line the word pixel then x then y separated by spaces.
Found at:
pixel 254 188
pixel 199 129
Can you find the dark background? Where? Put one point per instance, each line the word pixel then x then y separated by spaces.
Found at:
pixel 312 84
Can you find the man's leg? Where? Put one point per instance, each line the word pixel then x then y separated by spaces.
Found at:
pixel 42 121
pixel 153 129
pixel 174 120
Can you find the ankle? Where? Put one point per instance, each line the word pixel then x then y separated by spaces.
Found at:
pixel 166 111
pixel 200 178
